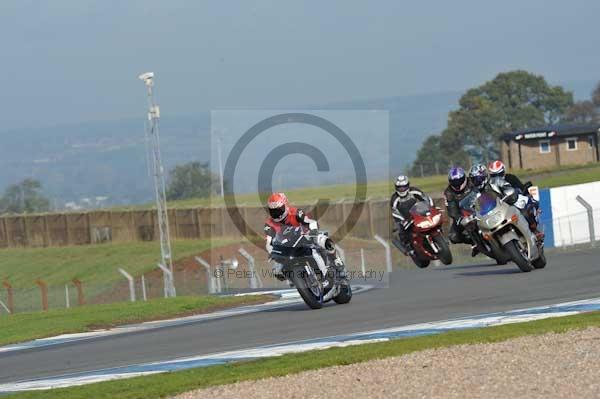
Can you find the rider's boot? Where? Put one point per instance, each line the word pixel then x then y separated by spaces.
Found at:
pixel 339 269
pixel 474 251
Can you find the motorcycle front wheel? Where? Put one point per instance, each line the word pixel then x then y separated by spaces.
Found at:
pixel 514 249
pixel 308 287
pixel 444 250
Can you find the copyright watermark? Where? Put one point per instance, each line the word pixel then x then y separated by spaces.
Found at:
pixel 351 275
pixel 260 152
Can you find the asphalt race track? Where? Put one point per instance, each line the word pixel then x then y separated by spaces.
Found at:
pixel 413 296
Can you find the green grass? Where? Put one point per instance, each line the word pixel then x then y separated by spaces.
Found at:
pixel 570 176
pixel 96 264
pixel 32 325
pixel 163 385
pixel 544 178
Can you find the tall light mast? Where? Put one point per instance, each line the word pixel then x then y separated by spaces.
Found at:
pixel 158 174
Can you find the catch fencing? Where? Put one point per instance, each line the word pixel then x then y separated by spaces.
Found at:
pixel 251 270
pixel 55 230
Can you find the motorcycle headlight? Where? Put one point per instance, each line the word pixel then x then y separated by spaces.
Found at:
pixel 494 219
pixel 436 219
pixel 425 224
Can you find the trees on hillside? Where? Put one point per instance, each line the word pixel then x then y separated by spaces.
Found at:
pixel 191 180
pixel 582 112
pixel 512 100
pixel 24 197
pixel 586 111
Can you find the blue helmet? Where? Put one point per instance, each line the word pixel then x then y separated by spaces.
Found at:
pixel 457 178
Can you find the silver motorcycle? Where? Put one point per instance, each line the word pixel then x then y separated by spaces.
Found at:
pixel 503 223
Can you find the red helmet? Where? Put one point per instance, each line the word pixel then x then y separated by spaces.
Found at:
pixel 497 169
pixel 278 206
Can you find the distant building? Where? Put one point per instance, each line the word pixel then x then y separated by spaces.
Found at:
pixel 551 146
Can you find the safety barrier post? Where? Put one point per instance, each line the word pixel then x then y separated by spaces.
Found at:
pixel 388 252
pixel 44 293
pixel 67 299
pixel 9 296
pixel 255 281
pixel 212 289
pixel 131 284
pixel 169 283
pixel 590 215
pixel 363 267
pixel 144 289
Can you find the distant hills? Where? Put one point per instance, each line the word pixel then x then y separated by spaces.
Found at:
pixel 108 159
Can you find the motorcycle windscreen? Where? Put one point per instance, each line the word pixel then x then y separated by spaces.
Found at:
pixel 486 203
pixel 420 208
pixel 469 201
pixel 289 236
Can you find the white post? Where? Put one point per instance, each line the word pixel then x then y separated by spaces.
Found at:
pixel 131 284
pixel 590 215
pixel 254 281
pixel 220 159
pixel 67 299
pixel 388 252
pixel 209 277
pixel 169 284
pixel 144 289
pixel 5 307
pixel 363 267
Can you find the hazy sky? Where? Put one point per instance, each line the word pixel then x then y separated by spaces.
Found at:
pixel 72 61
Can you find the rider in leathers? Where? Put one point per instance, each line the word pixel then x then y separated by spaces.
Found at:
pixel 481 181
pixel 281 214
pixel 458 188
pixel 402 200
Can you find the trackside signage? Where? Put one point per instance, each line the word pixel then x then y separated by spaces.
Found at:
pixel 535 135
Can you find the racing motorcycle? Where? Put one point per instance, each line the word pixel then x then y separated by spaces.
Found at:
pixel 469 222
pixel 501 222
pixel 302 262
pixel 427 239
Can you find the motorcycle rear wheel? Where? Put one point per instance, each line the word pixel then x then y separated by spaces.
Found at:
pixel 344 296
pixel 540 262
pixel 421 263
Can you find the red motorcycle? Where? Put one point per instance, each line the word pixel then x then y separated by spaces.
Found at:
pixel 427 239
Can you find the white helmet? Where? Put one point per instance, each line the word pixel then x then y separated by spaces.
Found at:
pixel 402 186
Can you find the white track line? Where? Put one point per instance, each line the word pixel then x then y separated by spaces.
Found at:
pixel 484 320
pixel 286 298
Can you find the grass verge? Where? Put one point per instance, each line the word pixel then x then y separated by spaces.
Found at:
pixel 163 385
pixel 435 185
pixel 89 263
pixel 32 325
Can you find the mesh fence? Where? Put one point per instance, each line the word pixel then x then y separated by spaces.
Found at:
pixel 364 257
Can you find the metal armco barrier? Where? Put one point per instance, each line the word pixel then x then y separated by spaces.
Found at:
pixel 388 252
pixel 131 284
pixel 590 215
